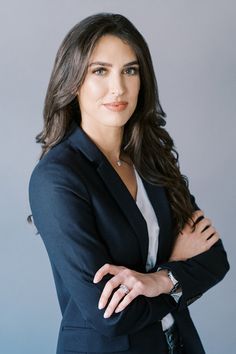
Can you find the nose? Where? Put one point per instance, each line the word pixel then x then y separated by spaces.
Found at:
pixel 117 85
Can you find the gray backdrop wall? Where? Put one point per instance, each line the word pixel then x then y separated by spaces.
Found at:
pixel 193 50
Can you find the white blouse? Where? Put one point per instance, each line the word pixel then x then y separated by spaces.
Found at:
pixel 149 215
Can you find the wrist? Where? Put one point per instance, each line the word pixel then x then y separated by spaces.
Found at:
pixel 165 283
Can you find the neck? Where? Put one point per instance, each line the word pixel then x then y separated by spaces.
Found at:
pixel 107 138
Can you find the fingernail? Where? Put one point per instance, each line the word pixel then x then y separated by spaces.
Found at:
pixel 117 310
pixel 100 306
pixel 106 315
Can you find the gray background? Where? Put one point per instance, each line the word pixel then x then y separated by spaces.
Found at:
pixel 193 50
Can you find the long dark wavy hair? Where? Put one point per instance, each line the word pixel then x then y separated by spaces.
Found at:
pixel 145 141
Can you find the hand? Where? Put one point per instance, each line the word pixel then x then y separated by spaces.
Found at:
pixel 190 243
pixel 150 285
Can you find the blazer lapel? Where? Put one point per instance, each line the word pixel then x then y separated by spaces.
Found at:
pixel 116 187
pixel 127 205
pixel 159 201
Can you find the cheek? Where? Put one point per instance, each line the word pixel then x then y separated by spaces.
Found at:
pixel 134 89
pixel 95 89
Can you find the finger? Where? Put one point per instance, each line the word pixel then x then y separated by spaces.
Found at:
pixel 208 232
pixel 203 224
pixel 116 298
pixel 101 272
pixel 213 239
pixel 195 216
pixel 106 269
pixel 126 301
pixel 107 291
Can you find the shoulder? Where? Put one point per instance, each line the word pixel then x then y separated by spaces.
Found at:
pixel 60 168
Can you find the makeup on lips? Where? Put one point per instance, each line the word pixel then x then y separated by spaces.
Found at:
pixel 116 106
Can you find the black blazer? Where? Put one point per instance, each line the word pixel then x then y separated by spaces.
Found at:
pixel 86 218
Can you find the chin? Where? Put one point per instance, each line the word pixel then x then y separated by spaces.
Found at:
pixel 116 121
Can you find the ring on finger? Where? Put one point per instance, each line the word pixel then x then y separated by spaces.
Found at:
pixel 124 288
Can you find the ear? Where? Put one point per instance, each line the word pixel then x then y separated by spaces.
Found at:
pixel 75 91
pixel 77 94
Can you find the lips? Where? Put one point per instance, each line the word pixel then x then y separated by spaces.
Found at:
pixel 116 106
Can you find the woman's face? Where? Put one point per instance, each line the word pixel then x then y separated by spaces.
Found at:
pixel 112 76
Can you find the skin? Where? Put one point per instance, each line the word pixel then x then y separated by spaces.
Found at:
pixel 188 244
pixel 105 84
pixel 117 82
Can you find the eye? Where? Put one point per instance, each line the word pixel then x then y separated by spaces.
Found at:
pixel 132 71
pixel 99 71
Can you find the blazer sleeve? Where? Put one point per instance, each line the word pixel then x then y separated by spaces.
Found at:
pixel 198 274
pixel 65 219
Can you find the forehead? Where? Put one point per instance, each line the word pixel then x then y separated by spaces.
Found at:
pixel 110 47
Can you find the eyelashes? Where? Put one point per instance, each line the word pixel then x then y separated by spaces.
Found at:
pixel 98 71
pixel 131 71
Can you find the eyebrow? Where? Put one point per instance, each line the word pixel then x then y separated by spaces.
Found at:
pixel 108 64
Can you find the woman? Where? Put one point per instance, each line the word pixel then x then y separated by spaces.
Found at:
pixel 128 246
